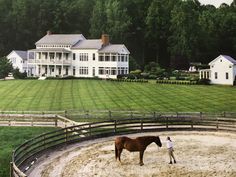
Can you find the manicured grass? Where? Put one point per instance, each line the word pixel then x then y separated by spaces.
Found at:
pixel 106 95
pixel 11 137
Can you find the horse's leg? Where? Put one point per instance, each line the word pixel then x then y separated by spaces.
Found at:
pixel 141 158
pixel 116 152
pixel 119 152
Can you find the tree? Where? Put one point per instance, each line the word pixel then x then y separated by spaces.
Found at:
pixel 183 41
pixel 98 19
pixel 158 28
pixel 154 70
pixel 5 67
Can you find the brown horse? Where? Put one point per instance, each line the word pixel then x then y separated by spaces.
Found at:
pixel 138 144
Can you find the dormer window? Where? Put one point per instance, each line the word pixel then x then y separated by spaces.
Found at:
pixel 230 66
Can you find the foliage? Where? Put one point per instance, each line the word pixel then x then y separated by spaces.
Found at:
pixel 5 67
pixel 154 70
pixel 133 65
pixel 204 82
pixel 18 75
pixel 170 32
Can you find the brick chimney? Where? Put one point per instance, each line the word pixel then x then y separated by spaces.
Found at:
pixel 105 39
pixel 49 32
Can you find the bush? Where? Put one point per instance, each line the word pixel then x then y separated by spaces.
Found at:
pixel 204 82
pixel 18 75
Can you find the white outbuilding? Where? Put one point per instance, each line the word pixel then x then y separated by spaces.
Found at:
pixel 222 71
pixel 18 58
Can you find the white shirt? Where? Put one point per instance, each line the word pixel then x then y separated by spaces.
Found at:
pixel 169 144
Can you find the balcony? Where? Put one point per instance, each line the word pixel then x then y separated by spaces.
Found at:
pixel 50 61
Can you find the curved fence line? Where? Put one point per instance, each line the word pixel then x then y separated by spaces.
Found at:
pixel 26 154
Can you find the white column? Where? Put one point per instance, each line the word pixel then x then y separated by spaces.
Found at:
pixel 62 65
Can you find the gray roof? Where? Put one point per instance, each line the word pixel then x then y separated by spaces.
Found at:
pixel 89 44
pixel 21 53
pixel 61 39
pixel 114 48
pixel 229 58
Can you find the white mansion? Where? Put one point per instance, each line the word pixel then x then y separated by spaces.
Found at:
pixel 73 55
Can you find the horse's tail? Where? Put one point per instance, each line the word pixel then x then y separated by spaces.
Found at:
pixel 116 152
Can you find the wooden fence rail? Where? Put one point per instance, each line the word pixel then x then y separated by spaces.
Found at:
pixel 43 120
pixel 26 154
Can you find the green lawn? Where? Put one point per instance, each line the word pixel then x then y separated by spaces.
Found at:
pixel 106 95
pixel 11 137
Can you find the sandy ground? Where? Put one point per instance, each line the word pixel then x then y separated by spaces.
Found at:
pixel 198 154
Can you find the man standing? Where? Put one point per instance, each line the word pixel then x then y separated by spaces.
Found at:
pixel 169 145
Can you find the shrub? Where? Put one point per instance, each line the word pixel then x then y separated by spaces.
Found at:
pixel 204 82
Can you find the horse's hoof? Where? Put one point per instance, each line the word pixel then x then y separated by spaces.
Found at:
pixel 141 164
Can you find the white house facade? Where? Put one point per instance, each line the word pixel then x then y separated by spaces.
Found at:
pixel 18 58
pixel 222 71
pixel 59 55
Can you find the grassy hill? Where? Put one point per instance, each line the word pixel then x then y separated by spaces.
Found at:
pixel 106 95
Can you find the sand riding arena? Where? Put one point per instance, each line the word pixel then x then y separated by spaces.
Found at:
pixel 203 148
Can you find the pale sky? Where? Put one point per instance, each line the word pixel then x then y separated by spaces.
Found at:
pixel 216 3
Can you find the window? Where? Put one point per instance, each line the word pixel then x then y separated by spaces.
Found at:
pixel 93 71
pixel 101 58
pixel 113 58
pixel 101 71
pixel 67 70
pixel 51 55
pixel 230 66
pixel 74 71
pixel 216 75
pixel 67 56
pixel 107 57
pixel 74 56
pixel 83 70
pixel 227 75
pixel 83 57
pixel 113 71
pixel 93 56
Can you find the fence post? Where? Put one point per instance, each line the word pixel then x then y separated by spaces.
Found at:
pixel 66 135
pixel 56 124
pixel 141 125
pixel 131 114
pixel 200 115
pixel 191 122
pixel 11 169
pixel 217 123
pixel 167 123
pixel 115 129
pixel 90 130
pixel 154 114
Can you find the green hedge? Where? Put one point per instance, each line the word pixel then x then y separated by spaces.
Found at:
pixel 184 82
pixel 129 80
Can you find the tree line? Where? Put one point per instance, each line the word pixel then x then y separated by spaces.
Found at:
pixel 172 33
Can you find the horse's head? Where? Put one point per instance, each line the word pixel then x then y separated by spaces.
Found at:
pixel 158 141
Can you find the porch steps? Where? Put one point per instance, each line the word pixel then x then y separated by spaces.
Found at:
pixel 42 78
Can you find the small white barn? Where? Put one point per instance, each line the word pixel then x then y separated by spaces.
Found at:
pixel 19 60
pixel 222 71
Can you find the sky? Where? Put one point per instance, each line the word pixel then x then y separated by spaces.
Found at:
pixel 216 3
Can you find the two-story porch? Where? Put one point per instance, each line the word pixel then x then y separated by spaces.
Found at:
pixel 50 61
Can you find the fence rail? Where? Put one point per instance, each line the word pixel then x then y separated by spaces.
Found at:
pixel 43 120
pixel 26 154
